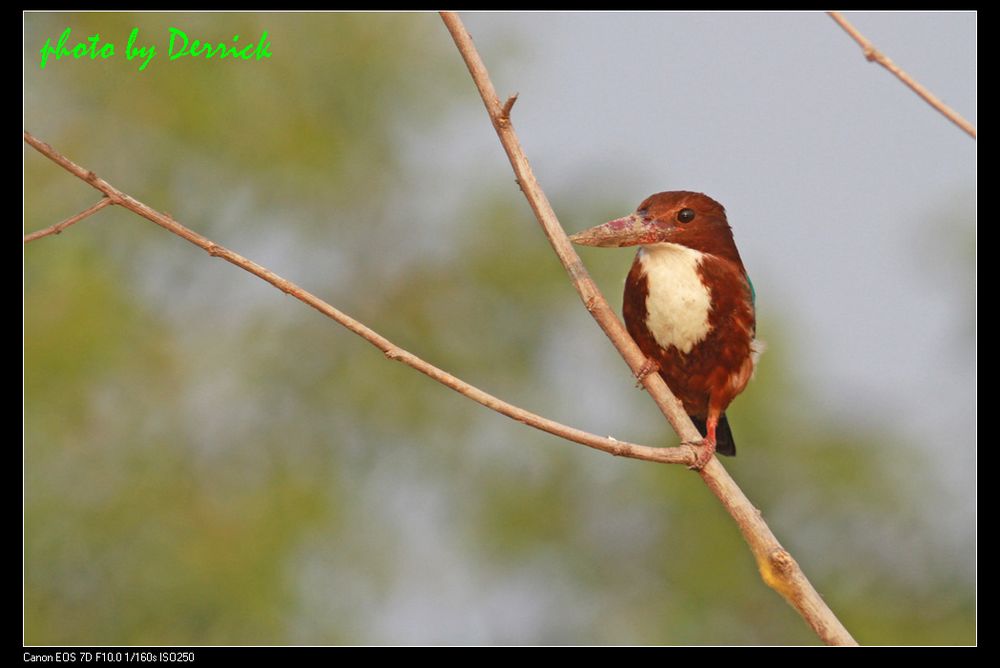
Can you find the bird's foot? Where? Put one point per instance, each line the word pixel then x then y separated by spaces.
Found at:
pixel 703 451
pixel 648 367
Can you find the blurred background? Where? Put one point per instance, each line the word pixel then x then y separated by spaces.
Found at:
pixel 207 461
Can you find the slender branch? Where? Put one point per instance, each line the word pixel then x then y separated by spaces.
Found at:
pixel 873 54
pixel 777 567
pixel 584 284
pixel 680 455
pixel 59 227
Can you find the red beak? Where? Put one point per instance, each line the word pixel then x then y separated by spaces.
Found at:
pixel 628 231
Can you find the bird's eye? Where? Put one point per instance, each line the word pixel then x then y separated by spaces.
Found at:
pixel 685 215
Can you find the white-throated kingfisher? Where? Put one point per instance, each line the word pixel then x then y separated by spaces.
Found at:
pixel 689 305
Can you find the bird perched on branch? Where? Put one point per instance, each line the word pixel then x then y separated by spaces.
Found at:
pixel 689 305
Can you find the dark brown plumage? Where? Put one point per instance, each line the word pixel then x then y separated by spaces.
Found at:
pixel 688 304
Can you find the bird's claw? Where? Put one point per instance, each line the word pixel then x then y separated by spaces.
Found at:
pixel 703 451
pixel 648 367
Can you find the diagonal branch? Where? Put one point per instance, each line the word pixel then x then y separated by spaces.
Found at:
pixel 681 455
pixel 873 54
pixel 72 220
pixel 777 567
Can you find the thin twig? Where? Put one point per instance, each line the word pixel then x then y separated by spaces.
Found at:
pixel 777 567
pixel 507 106
pixel 59 227
pixel 680 455
pixel 873 54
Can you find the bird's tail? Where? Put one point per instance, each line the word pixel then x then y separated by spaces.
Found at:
pixel 724 443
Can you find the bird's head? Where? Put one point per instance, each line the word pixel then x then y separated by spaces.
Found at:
pixel 678 217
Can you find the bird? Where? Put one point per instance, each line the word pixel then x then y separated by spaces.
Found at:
pixel 689 305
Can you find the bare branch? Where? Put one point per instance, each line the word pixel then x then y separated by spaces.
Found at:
pixel 679 455
pixel 59 227
pixel 777 567
pixel 585 286
pixel 873 54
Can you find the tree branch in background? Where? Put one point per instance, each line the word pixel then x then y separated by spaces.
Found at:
pixel 777 567
pixel 59 227
pixel 679 455
pixel 873 54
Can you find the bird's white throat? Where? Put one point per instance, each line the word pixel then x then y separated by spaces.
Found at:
pixel 678 302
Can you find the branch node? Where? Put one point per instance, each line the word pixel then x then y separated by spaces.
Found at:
pixel 507 106
pixel 691 449
pixel 781 561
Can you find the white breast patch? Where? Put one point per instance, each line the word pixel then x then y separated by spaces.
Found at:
pixel 678 302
